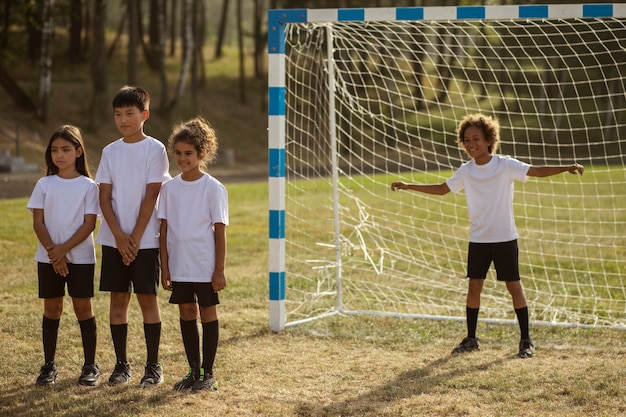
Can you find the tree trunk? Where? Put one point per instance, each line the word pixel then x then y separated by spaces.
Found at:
pixel 6 22
pixel 199 34
pixel 242 68
pixel 259 38
pixel 118 35
pixel 133 40
pixel 173 21
pixel 34 25
pixel 187 52
pixel 160 56
pixel 99 80
pixel 221 31
pixel 45 67
pixel 76 29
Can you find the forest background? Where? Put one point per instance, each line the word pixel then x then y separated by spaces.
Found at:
pixel 61 61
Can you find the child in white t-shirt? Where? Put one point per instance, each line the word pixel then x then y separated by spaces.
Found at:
pixel 64 204
pixel 193 208
pixel 488 182
pixel 130 175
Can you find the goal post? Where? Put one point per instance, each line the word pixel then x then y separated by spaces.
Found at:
pixel 359 98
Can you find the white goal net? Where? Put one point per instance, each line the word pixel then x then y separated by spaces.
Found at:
pixel 368 102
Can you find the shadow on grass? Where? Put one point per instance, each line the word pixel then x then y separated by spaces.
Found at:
pixel 65 398
pixel 407 384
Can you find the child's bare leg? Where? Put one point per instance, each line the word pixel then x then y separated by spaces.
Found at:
pixel 473 292
pixel 517 294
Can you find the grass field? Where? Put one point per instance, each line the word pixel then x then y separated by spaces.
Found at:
pixel 339 366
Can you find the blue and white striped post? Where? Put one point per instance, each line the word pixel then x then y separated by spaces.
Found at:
pixel 277 19
pixel 276 160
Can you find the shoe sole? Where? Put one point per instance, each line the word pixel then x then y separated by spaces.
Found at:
pixel 113 383
pixel 151 384
pixel 46 383
pixel 88 383
pixel 465 350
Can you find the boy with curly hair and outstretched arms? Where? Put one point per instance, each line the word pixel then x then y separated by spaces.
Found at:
pixel 488 182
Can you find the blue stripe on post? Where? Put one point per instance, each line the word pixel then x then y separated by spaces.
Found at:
pixel 533 12
pixel 277 224
pixel 597 10
pixel 410 13
pixel 276 97
pixel 277 286
pixel 276 162
pixel 350 15
pixel 470 12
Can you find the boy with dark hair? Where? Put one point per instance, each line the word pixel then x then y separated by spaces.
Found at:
pixel 488 182
pixel 130 175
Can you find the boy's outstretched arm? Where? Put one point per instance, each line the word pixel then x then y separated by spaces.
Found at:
pixel 436 189
pixel 549 170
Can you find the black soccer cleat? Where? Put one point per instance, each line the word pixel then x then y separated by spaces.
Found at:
pixel 468 344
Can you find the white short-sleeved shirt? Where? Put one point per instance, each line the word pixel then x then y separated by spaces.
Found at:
pixel 65 202
pixel 489 196
pixel 191 208
pixel 130 167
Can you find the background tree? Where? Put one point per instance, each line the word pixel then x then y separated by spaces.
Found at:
pixel 133 39
pixel 221 31
pixel 45 67
pixel 76 29
pixel 99 79
pixel 242 68
pixel 187 52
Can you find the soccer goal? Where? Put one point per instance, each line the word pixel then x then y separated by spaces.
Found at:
pixel 359 98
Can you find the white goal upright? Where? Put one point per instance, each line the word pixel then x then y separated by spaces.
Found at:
pixel 359 98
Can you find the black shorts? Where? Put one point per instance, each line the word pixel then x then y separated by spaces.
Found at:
pixel 504 256
pixel 79 281
pixel 194 292
pixel 142 275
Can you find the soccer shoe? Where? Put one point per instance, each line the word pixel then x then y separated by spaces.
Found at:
pixel 188 380
pixel 121 373
pixel 152 376
pixel 89 376
pixel 204 383
pixel 47 375
pixel 526 349
pixel 468 344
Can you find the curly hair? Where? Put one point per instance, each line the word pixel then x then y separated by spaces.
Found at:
pixel 199 133
pixel 489 125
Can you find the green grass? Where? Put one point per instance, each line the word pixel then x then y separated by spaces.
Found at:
pixel 405 252
pixel 339 366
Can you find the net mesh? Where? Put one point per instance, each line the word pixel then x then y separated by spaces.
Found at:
pixel 400 89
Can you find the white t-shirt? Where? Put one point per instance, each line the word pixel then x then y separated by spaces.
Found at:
pixel 65 202
pixel 191 208
pixel 130 167
pixel 489 196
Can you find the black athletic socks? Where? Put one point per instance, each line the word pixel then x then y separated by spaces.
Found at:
pixel 472 321
pixel 210 337
pixel 49 335
pixel 191 341
pixel 152 333
pixel 89 335
pixel 119 334
pixel 522 318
